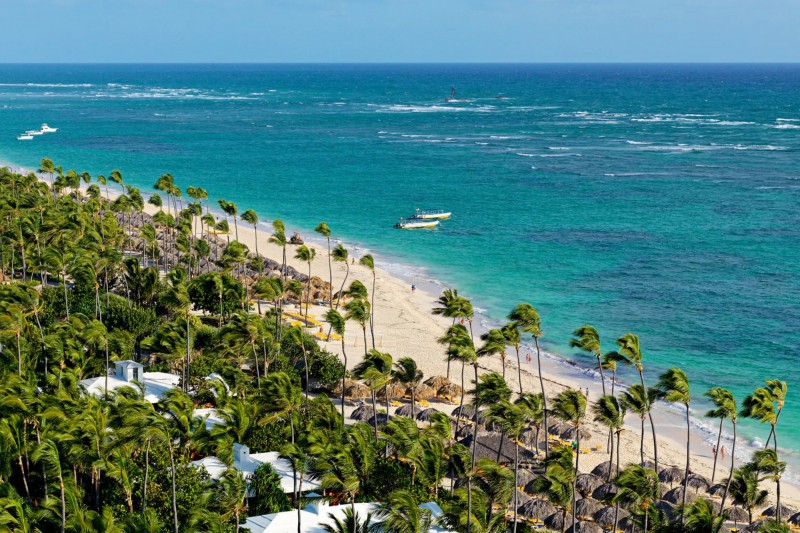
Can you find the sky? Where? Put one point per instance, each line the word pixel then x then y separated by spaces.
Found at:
pixel 384 31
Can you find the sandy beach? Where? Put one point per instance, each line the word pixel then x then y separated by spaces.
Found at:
pixel 405 327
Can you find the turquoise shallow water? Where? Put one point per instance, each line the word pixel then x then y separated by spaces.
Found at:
pixel 662 200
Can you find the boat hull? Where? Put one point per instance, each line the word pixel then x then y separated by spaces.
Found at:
pixel 434 216
pixel 417 224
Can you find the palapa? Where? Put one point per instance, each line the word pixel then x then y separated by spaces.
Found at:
pixel 605 516
pixel 585 527
pixel 697 482
pixel 537 508
pixel 772 511
pixel 737 514
pixel 466 412
pixel 794 519
pixel 756 526
pixel 585 508
pixel 449 391
pixel 424 392
pixel 393 391
pixel 347 384
pixel 404 410
pixel 571 433
pixel 358 391
pixel 382 418
pixel 557 428
pixel 557 520
pixel 671 475
pixel 718 489
pixel 425 414
pixel 676 496
pixel 605 470
pixel 488 443
pixel 587 483
pixel 667 508
pixel 363 413
pixel 604 492
pixel 525 476
pixel 437 382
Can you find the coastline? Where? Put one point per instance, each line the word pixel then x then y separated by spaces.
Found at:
pixel 404 326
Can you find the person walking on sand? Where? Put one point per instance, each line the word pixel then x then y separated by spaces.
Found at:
pixel 722 453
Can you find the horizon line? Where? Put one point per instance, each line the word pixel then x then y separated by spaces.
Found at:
pixel 655 63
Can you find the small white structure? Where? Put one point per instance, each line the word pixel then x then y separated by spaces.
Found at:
pixel 248 463
pixel 314 518
pixel 127 374
pixel 209 416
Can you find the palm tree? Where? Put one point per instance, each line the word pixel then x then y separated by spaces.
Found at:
pixel 251 217
pixel 337 322
pixel 673 387
pixel 359 311
pixel 588 340
pixel 281 399
pixel 350 523
pixel 746 491
pixel 610 412
pixel 700 517
pixel 307 255
pixel 766 462
pixel 278 238
pixel 369 262
pixel 494 343
pixel 375 370
pixel 570 406
pixel 401 513
pixel 725 407
pixel 610 360
pixel 638 487
pixel 558 481
pixel 527 318
pixel 631 351
pixel 512 419
pixel 640 402
pixel 232 494
pixel 48 453
pixel 230 209
pixel 340 256
pixel 323 229
pixel 13 321
pixel 407 373
pixel 513 338
pixel 534 410
pixel 47 166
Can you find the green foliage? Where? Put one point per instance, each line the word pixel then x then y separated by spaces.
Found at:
pixel 268 494
pixel 213 292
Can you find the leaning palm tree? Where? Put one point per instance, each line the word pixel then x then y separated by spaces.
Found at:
pixel 588 339
pixel 251 217
pixel 512 419
pixel 49 454
pixel 701 517
pixel 278 238
pixel 401 513
pixel 725 407
pixel 369 262
pixel 307 255
pixel 407 373
pixel 323 229
pixel 337 323
pixel 610 412
pixel 640 401
pixel 570 406
pixel 527 319
pixel 673 387
pixel 340 255
pixel 351 523
pixel 281 399
pixel 638 488
pixel 630 349
pixel 766 463
pixel 558 481
pixel 231 495
pixel 746 491
pixel 494 343
pixel 514 338
pixel 359 311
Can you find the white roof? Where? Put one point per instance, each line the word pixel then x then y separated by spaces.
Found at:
pixel 314 517
pixel 156 385
pixel 210 416
pixel 282 467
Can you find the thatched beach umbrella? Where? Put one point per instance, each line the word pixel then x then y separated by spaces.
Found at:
pixel 671 475
pixel 358 391
pixel 557 520
pixel 449 391
pixel 772 511
pixel 649 464
pixel 521 498
pixel 394 390
pixel 676 496
pixel 794 519
pixel 585 527
pixel 604 492
pixel 488 443
pixel 463 432
pixel 525 476
pixel 382 418
pixel 437 382
pixel 605 516
pixel 585 508
pixel 666 508
pixel 363 413
pixel 404 410
pixel 424 392
pixel 425 414
pixel 605 469
pixel 537 508
pixel 558 428
pixel 587 483
pixel 755 527
pixel 571 433
pixel 737 514
pixel 464 412
pixel 697 482
pixel 718 489
pixel 337 390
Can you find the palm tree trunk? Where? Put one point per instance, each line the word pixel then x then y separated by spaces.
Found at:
pixel 19 357
pixel 544 396
pixel 519 370
pixel 616 505
pixel 688 459
pixel 305 365
pixel 63 501
pixel 330 276
pixel 346 274
pixel 730 476
pixel 146 473
pixel 174 500
pixel 364 329
pixel 641 444
pixel 374 413
pixel 575 477
pixel 716 451
pixel 295 495
pixel 372 312
pixel 308 294
pixel 516 484
pixel 461 405
pixel 778 479
pixel 255 359
pixel 24 476
pixel 474 442
pixel 188 341
pixel 652 426
pixel 106 386
pixel 344 376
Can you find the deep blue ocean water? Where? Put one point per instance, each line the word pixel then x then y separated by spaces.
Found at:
pixel 663 200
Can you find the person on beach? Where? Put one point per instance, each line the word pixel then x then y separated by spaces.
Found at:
pixel 587 393
pixel 413 288
pixel 528 357
pixel 722 452
pixel 714 449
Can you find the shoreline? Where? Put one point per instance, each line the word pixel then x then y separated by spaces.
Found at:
pixel 405 326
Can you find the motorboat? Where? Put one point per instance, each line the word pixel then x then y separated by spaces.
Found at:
pixel 47 129
pixel 416 223
pixel 25 137
pixel 34 132
pixel 431 214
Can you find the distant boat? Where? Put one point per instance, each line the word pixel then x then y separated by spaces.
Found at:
pixel 452 97
pixel 25 137
pixel 296 239
pixel 34 132
pixel 47 129
pixel 416 223
pixel 427 215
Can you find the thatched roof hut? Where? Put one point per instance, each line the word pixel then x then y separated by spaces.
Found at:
pixel 525 476
pixel 466 412
pixel 382 418
pixel 363 413
pixel 737 514
pixel 488 443
pixel 449 391
pixel 773 510
pixel 605 470
pixel 557 520
pixel 587 483
pixel 357 391
pixel 604 492
pixel 404 410
pixel 605 516
pixel 676 496
pixel 718 489
pixel 536 508
pixel 571 433
pixel 393 391
pixel 347 384
pixel 437 382
pixel 671 475
pixel 424 392
pixel 585 508
pixel 557 428
pixel 698 482
pixel 585 527
pixel 425 414
pixel 667 508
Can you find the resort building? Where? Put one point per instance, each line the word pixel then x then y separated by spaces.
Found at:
pixel 130 374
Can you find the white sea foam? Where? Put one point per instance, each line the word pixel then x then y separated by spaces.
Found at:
pixel 785 126
pixel 404 108
pixel 787 120
pixel 558 148
pixel 638 142
pixel 51 85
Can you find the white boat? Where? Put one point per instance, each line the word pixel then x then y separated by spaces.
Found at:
pixel 48 129
pixel 34 132
pixel 427 215
pixel 24 137
pixel 416 223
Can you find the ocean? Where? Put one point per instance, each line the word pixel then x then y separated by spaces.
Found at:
pixel 658 199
